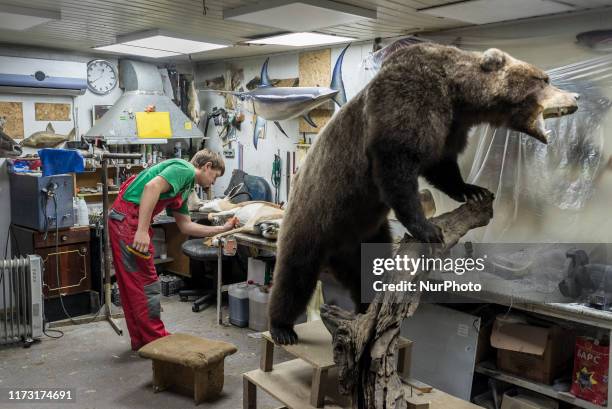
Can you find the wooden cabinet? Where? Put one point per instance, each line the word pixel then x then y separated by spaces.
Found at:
pixel 70 258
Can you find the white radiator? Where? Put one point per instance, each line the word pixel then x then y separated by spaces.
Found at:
pixel 21 299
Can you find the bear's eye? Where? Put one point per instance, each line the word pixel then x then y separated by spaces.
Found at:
pixel 543 79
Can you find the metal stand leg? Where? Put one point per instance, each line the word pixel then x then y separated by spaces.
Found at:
pixel 219 282
pixel 107 252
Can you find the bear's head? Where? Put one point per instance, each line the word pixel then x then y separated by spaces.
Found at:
pixel 520 94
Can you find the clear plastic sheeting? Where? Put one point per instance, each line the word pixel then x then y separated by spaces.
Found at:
pixel 529 177
pixel 558 192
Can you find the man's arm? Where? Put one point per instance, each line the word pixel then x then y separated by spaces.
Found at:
pixel 148 200
pixel 186 226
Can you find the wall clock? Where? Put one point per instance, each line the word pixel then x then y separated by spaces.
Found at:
pixel 101 77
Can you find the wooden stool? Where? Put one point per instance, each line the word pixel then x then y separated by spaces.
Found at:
pixel 314 350
pixel 188 364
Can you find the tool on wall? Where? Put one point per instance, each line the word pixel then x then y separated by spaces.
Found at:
pixel 276 176
pixel 288 174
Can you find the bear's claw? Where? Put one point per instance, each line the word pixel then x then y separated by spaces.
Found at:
pixel 283 335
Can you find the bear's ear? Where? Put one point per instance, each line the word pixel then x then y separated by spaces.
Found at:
pixel 492 59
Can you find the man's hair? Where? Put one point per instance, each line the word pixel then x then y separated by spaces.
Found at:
pixel 202 157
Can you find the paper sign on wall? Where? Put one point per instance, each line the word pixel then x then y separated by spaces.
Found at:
pixel 153 125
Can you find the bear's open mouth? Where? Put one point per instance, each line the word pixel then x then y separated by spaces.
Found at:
pixel 540 126
pixel 554 104
pixel 556 112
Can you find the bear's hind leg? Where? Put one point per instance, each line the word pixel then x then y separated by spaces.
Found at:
pixel 295 278
pixel 346 265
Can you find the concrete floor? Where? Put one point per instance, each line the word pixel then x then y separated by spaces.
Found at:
pixel 104 373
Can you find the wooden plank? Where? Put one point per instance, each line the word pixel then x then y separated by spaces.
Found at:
pixel 315 68
pixel 320 117
pixel 267 355
pixel 315 71
pixel 249 394
pixel 44 111
pixel 12 112
pixel 418 402
pixel 317 395
pixel 290 382
pixel 314 346
pixel 418 385
pixel 439 400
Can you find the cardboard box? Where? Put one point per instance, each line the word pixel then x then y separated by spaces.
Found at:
pixel 525 400
pixel 541 354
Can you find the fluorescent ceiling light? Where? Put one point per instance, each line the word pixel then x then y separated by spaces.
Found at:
pixel 163 40
pixel 159 44
pixel 302 39
pixel 492 11
pixel 141 51
pixel 179 45
pixel 21 18
pixel 303 15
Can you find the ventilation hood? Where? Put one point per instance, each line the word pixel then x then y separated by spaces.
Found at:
pixel 143 86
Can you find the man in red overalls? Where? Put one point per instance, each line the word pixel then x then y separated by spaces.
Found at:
pixel 166 185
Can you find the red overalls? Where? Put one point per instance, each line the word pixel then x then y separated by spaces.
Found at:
pixel 139 285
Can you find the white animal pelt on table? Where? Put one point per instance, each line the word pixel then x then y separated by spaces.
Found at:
pixel 251 216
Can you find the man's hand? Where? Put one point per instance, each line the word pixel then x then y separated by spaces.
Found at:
pixel 141 241
pixel 230 224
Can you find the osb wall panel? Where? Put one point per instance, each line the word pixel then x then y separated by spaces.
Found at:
pixel 12 112
pixel 51 112
pixel 314 71
pixel 320 117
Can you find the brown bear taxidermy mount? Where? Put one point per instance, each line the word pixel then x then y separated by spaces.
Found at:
pixel 411 120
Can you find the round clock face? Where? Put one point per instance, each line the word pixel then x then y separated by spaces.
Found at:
pixel 101 77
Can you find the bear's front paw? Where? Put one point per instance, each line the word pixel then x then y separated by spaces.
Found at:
pixel 470 192
pixel 283 335
pixel 427 232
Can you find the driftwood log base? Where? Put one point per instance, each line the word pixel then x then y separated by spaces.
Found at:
pixel 365 345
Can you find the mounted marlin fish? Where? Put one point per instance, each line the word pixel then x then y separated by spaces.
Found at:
pixel 282 103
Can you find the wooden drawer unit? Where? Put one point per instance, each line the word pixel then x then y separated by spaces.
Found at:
pixel 70 236
pixel 71 257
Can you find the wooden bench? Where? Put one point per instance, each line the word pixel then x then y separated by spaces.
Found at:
pixel 287 381
pixel 188 364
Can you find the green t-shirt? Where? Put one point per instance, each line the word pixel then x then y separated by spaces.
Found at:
pixel 179 174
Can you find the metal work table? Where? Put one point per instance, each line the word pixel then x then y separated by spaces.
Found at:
pixel 242 239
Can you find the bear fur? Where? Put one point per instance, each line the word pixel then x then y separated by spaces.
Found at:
pixel 411 120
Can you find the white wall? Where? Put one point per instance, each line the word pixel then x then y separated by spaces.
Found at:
pixel 83 117
pixel 258 161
